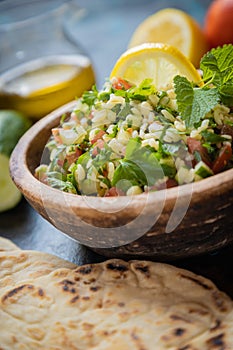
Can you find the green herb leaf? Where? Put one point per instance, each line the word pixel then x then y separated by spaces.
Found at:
pixel 143 91
pixel 89 97
pixel 217 65
pixel 128 174
pixel 55 180
pixel 84 158
pixel 212 137
pixel 103 157
pixel 194 103
pixel 140 163
pixel 169 170
pixel 125 110
pixel 226 93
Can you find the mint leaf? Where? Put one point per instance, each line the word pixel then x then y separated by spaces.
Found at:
pixel 226 93
pixel 128 174
pixel 133 146
pixel 194 103
pixel 212 137
pixel 140 164
pixel 55 180
pixel 217 65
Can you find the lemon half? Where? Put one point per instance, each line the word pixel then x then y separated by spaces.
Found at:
pixel 174 27
pixel 157 61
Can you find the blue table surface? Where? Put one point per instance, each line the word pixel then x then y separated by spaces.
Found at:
pixel 103 31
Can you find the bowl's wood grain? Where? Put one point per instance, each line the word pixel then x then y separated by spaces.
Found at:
pixel 128 227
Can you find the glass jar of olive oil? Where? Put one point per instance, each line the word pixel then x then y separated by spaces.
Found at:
pixel 40 67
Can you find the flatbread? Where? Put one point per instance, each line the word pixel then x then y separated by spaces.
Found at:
pixel 17 266
pixel 116 305
pixel 6 244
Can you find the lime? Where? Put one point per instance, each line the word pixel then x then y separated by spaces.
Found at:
pixel 12 126
pixel 9 193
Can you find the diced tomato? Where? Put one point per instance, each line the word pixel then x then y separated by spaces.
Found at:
pixel 98 145
pixel 222 159
pixel 163 185
pixel 196 146
pixel 98 136
pixel 121 84
pixel 227 130
pixel 171 183
pixel 105 173
pixel 114 192
pixel 71 158
pixel 56 135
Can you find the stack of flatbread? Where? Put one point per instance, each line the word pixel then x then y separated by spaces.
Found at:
pixel 50 304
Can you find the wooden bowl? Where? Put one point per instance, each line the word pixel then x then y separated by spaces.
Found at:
pixel 178 222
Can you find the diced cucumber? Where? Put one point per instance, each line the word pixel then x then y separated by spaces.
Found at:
pixel 203 170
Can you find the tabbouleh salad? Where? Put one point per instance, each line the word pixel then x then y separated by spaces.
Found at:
pixel 126 140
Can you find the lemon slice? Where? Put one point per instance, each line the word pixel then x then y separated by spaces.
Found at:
pixel 157 61
pixel 176 28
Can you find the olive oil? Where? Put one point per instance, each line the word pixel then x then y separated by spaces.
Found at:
pixel 42 85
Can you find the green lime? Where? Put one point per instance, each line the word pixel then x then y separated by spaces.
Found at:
pixel 13 125
pixel 9 193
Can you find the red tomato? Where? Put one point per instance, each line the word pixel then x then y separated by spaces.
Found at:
pixel 222 159
pixel 71 158
pixel 99 145
pixel 196 146
pixel 218 25
pixel 98 136
pixel 56 135
pixel 121 84
pixel 163 185
pixel 114 192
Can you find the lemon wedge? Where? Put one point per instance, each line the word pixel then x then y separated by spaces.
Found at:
pixel 176 28
pixel 157 61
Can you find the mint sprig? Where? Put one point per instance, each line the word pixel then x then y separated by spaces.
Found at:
pixel 195 102
pixel 140 166
pixel 217 66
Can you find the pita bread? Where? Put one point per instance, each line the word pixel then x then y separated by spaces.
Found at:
pixel 116 305
pixel 20 265
pixel 6 244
